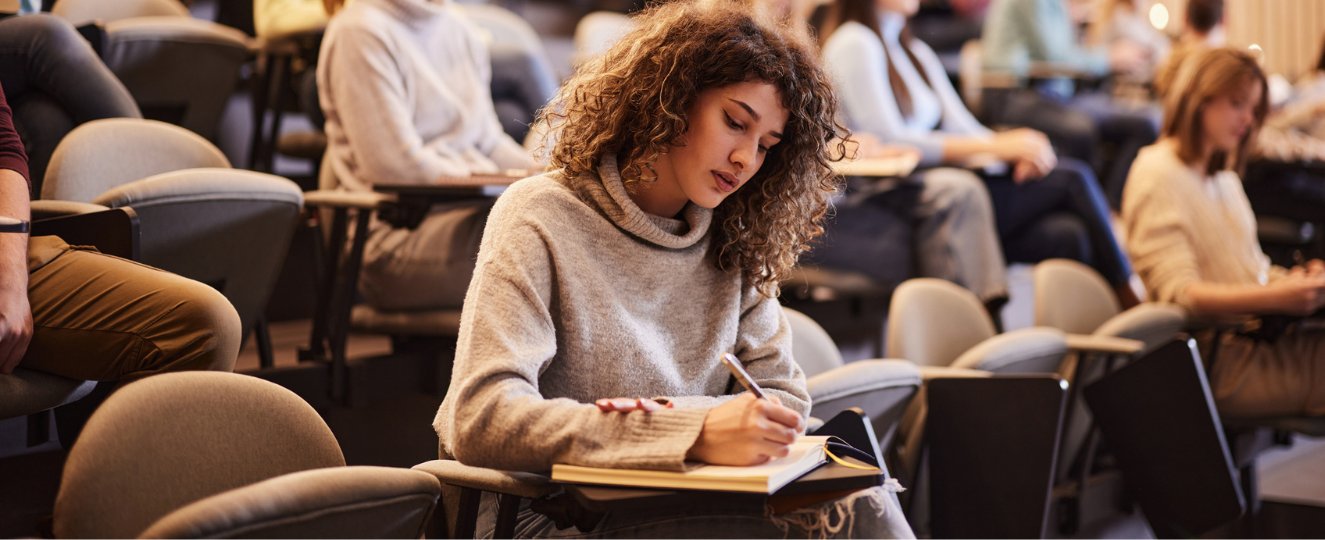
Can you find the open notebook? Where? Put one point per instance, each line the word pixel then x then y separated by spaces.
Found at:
pixel 807 453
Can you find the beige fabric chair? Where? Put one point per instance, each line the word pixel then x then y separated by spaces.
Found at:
pixel 1074 298
pixel 80 12
pixel 200 219
pixel 103 154
pixel 228 228
pixel 933 322
pixel 218 455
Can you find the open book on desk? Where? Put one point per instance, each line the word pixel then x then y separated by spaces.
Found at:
pixel 807 454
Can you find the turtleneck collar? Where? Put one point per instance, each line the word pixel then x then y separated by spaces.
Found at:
pixel 415 12
pixel 608 194
pixel 891 24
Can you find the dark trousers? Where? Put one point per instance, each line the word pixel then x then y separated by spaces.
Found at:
pixel 1063 215
pixel 54 81
pixel 1078 128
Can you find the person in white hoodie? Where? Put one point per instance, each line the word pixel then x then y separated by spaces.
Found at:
pixel 405 88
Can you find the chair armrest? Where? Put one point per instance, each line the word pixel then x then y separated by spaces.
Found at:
pixel 331 198
pixel 522 484
pixel 861 377
pixel 112 231
pixel 813 424
pixel 46 209
pixel 929 373
pixel 1153 323
pixel 1104 344
pixel 1030 350
pixel 348 502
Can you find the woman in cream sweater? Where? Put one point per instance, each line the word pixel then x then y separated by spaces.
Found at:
pixel 1193 239
pixel 693 169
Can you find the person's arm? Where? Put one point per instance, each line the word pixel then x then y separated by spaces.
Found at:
pixel 1301 292
pixel 367 93
pixel 15 313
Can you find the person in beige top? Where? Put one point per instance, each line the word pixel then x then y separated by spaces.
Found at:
pixel 1193 240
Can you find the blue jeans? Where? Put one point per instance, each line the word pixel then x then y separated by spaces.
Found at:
pixel 1063 215
pixel 871 513
pixel 54 81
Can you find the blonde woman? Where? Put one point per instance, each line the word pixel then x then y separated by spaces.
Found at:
pixel 1192 236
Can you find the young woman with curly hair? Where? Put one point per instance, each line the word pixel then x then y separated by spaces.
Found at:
pixel 693 169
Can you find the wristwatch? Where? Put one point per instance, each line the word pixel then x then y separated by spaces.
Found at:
pixel 11 225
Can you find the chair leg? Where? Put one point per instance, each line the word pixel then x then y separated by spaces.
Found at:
pixel 508 508
pixel 467 518
pixel 1248 478
pixel 262 334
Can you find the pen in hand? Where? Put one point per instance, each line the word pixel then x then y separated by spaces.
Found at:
pixel 734 366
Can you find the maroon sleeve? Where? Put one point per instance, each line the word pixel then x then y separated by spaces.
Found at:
pixel 11 147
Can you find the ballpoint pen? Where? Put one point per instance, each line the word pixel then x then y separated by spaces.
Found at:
pixel 734 366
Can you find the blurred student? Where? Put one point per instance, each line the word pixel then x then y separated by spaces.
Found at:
pixel 405 86
pixel 1193 237
pixel 693 168
pixel 893 87
pixel 1020 32
pixel 54 81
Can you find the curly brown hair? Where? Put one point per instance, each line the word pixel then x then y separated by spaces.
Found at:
pixel 632 102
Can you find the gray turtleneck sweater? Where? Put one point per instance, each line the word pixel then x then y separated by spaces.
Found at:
pixel 580 295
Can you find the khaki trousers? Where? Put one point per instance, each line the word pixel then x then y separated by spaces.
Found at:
pixel 1256 378
pixel 428 267
pixel 98 317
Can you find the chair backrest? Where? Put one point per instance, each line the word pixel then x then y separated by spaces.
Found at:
pixel 932 322
pixel 597 32
pixel 227 228
pixel 335 502
pixel 103 154
pixel 80 12
pixel 179 69
pixel 811 346
pixel 168 440
pixel 1072 297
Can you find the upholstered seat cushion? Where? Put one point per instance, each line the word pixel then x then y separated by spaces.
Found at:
pixel 27 391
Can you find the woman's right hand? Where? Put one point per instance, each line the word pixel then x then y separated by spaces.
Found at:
pixel 1302 292
pixel 747 431
pixel 1028 150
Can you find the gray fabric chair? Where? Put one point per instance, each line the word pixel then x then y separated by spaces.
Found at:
pixel 27 391
pixel 516 96
pixel 200 219
pixel 103 154
pixel 882 389
pixel 80 12
pixel 179 69
pixel 228 228
pixel 1074 298
pixel 933 322
pixel 218 455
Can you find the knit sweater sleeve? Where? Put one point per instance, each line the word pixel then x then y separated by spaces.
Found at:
pixel 508 339
pixel 1158 237
pixel 370 96
pixel 855 57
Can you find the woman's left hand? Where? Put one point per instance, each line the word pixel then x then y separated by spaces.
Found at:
pixel 631 404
